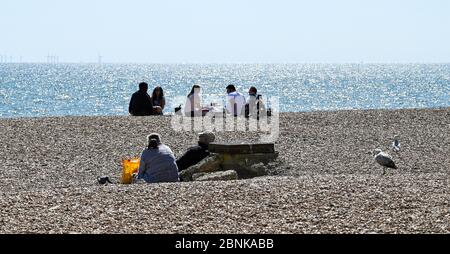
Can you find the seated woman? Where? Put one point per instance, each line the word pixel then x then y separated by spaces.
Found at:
pixel 193 107
pixel 158 163
pixel 158 100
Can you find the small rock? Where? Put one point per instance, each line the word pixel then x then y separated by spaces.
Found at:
pixel 259 170
pixel 219 176
pixel 54 208
pixel 197 176
pixel 210 164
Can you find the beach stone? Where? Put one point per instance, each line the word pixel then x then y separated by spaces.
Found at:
pixel 197 176
pixel 228 175
pixel 248 165
pixel 210 164
pixel 229 160
pixel 229 148
pixel 258 170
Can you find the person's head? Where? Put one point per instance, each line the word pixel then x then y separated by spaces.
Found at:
pixel 253 91
pixel 377 151
pixel 154 140
pixel 231 88
pixel 158 92
pixel 206 137
pixel 195 90
pixel 143 87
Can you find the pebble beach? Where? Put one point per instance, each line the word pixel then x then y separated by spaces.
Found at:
pixel 326 180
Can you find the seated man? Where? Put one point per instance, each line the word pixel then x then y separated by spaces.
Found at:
pixel 141 103
pixel 196 154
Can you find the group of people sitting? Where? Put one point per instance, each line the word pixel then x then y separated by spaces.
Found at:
pixel 159 165
pixel 142 104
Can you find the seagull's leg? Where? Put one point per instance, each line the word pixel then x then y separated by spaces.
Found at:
pixel 384 171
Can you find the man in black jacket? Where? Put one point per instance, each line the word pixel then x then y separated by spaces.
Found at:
pixel 141 103
pixel 196 154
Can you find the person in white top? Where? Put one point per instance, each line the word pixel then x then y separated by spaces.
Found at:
pixel 193 107
pixel 235 101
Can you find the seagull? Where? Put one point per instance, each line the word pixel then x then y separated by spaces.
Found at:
pixel 396 145
pixel 384 160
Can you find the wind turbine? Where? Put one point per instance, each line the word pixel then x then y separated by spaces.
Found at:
pixel 100 58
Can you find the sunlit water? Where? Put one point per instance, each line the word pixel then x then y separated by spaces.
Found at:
pixel 29 90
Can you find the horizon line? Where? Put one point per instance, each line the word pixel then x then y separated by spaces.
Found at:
pixel 231 63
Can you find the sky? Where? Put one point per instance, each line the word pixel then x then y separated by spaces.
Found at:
pixel 226 31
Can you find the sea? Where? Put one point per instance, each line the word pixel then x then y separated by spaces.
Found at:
pixel 42 90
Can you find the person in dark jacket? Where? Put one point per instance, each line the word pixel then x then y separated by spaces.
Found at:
pixel 196 154
pixel 141 103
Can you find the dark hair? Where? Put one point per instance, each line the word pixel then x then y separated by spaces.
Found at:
pixel 231 87
pixel 253 89
pixel 161 95
pixel 193 90
pixel 143 85
pixel 154 140
pixel 153 143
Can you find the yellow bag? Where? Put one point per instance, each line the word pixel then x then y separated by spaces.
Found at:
pixel 129 168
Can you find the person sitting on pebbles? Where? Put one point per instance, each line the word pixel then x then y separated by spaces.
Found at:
pixel 141 103
pixel 196 154
pixel 158 163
